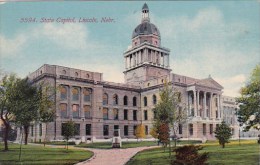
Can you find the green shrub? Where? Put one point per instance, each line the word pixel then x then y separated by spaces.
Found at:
pixel 188 155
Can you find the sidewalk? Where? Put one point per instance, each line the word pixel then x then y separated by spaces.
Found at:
pixel 112 156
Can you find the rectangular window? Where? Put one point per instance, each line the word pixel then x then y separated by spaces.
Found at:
pixel 125 114
pixel 88 129
pixel 180 128
pixel 216 114
pixel 87 111
pixel 211 129
pixel 105 130
pixel 115 111
pixel 191 129
pixel 145 115
pixel 146 130
pixel 126 130
pixel 134 129
pixel 204 128
pixel 40 129
pixel 105 113
pixel 77 129
pixel 75 110
pixel 217 125
pixel 116 127
pixel 63 110
pixel 135 115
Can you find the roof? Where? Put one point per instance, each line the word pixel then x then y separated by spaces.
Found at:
pixel 145 7
pixel 209 82
pixel 145 28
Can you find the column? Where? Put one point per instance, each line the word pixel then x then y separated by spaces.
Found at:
pixel 162 59
pixel 128 61
pixel 205 105
pixel 195 103
pixel 218 96
pixel 220 106
pixel 134 60
pixel 81 101
pixel 125 63
pixel 210 105
pixel 69 106
pixel 198 102
pixel 137 58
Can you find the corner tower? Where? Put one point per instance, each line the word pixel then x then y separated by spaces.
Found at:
pixel 146 59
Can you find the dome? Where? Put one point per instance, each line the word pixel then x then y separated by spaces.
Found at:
pixel 145 28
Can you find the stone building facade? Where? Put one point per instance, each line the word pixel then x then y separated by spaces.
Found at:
pixel 98 107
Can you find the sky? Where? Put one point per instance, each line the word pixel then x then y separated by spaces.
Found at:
pixel 217 38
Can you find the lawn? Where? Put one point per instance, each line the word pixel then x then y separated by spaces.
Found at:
pixel 107 145
pixel 32 154
pixel 245 154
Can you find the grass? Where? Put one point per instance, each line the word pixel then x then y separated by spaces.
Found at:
pixel 246 153
pixel 57 143
pixel 38 155
pixel 107 145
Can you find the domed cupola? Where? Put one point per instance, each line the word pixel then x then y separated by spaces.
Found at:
pixel 146 31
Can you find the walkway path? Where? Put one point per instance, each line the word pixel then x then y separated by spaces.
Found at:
pixel 112 156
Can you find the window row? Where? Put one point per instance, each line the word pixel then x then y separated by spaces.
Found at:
pixel 116 100
pixel 116 114
pixel 75 111
pixel 126 129
pixel 154 100
pixel 77 129
pixel 75 93
pixel 204 129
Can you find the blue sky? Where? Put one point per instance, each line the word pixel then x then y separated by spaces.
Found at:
pixel 220 38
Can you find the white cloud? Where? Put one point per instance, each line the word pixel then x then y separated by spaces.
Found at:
pixel 70 36
pixel 11 47
pixel 206 43
pixel 232 84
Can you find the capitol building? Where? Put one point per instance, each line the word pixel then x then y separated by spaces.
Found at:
pixel 98 107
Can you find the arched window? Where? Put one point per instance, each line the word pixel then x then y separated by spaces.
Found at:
pixel 75 111
pixel 115 99
pixel 87 111
pixel 75 94
pixel 125 100
pixel 63 92
pixel 145 101
pixel 134 101
pixel 105 99
pixel 154 99
pixel 63 110
pixel 87 94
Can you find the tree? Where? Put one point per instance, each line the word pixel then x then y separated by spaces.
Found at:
pixel 168 112
pixel 189 155
pixel 164 134
pixel 68 131
pixel 46 105
pixel 223 133
pixel 7 104
pixel 249 101
pixel 27 105
pixel 140 131
pixel 154 132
